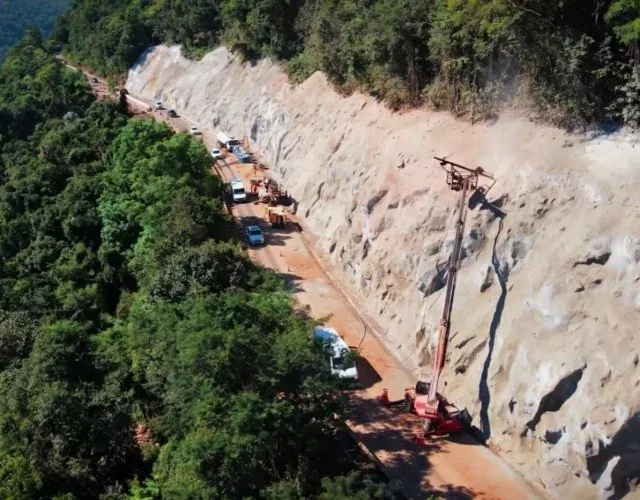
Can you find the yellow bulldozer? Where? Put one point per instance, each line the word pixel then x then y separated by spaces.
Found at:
pixel 277 216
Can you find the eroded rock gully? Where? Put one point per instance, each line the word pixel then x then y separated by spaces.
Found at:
pixel 546 339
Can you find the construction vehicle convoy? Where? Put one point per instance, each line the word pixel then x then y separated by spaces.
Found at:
pixel 438 415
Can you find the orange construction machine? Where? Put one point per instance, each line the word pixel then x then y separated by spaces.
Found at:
pixel 268 191
pixel 277 216
pixel 439 416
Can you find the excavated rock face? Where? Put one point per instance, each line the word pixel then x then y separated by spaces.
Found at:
pixel 545 338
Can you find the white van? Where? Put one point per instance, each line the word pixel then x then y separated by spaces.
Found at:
pixel 237 190
pixel 341 360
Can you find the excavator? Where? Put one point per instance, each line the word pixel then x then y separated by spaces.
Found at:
pixel 439 416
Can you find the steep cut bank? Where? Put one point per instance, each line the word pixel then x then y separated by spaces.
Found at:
pixel 545 344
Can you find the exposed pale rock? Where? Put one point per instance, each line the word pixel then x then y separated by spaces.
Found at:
pixel 572 219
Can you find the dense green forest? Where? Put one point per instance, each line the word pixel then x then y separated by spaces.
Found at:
pixel 142 355
pixel 16 15
pixel 570 62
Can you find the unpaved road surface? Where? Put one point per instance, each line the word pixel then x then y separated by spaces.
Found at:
pixel 449 467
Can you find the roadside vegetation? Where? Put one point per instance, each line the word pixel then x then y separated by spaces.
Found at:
pixel 569 62
pixel 142 354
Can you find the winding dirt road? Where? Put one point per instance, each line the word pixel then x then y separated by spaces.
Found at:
pixel 445 467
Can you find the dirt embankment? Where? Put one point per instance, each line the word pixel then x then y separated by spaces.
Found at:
pixel 546 324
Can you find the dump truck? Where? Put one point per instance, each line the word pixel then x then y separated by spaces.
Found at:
pixel 277 216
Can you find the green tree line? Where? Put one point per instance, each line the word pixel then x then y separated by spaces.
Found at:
pixel 142 354
pixel 570 62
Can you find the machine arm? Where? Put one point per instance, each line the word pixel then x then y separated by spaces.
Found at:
pixel 464 180
pixel 452 274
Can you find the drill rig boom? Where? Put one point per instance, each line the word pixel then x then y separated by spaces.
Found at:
pixel 463 180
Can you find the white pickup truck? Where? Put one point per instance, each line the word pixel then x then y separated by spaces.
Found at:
pixel 341 360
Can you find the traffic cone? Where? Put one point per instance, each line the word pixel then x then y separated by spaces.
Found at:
pixel 419 439
pixel 384 397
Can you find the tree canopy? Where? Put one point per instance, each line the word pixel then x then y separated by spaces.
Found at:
pixel 17 15
pixel 571 62
pixel 142 354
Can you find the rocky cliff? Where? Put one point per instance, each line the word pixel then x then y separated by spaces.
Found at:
pixel 546 342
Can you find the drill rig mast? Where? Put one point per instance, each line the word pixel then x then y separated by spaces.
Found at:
pixel 440 417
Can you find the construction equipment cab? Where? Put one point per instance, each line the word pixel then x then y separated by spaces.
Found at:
pixel 237 190
pixel 341 360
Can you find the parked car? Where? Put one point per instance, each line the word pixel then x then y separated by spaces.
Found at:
pixel 172 113
pixel 238 193
pixel 194 130
pixel 255 236
pixel 342 361
pixel 94 80
pixel 216 153
pixel 159 105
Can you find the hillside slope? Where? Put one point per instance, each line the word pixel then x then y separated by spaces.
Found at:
pixel 545 343
pixel 570 62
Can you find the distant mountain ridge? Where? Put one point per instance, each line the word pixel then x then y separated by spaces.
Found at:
pixel 16 15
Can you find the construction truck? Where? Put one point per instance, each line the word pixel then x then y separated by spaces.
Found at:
pixel 268 191
pixel 258 189
pixel 256 184
pixel 275 193
pixel 277 216
pixel 226 142
pixel 241 154
pixel 438 415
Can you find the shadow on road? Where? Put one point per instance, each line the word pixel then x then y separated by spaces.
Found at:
pixel 293 281
pixel 393 439
pixel 367 374
pixel 450 492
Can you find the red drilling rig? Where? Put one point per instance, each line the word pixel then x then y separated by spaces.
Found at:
pixel 439 416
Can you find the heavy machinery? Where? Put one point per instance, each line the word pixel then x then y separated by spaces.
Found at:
pixel 439 416
pixel 256 184
pixel 268 191
pixel 276 216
